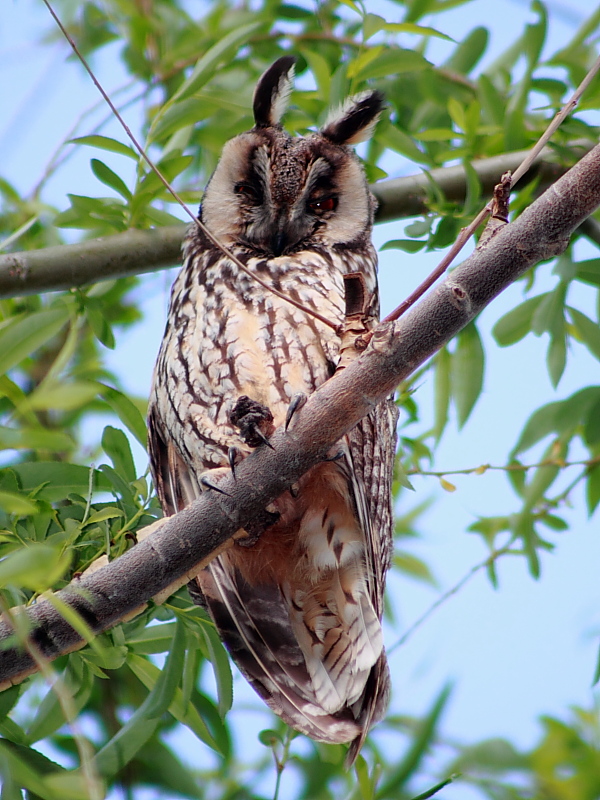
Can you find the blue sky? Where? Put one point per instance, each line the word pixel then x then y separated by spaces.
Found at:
pixel 524 650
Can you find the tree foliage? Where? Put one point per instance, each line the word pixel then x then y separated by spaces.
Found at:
pixel 131 689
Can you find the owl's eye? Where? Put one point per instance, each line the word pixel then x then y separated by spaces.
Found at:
pixel 323 204
pixel 246 190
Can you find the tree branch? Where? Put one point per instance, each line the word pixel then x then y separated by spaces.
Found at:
pixel 137 251
pixel 187 541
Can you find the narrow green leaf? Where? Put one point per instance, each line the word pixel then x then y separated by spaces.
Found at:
pixel 512 327
pixel 588 331
pixel 62 396
pixel 61 479
pixel 106 143
pixel 442 391
pixel 36 567
pixel 34 439
pixel 467 366
pixel 188 715
pixel 467 53
pixel 556 358
pixel 391 136
pixel 392 61
pixel 421 742
pixel 116 447
pixel 152 639
pixel 407 245
pixel 49 716
pixel 209 62
pixel 13 503
pixel 222 668
pixel 109 178
pixel 589 271
pixel 24 334
pixel 592 489
pixel 127 412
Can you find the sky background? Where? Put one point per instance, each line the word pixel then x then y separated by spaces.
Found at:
pixel 527 649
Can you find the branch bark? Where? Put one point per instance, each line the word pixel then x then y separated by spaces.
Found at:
pixel 137 251
pixel 187 541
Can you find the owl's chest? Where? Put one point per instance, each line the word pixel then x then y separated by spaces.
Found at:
pixel 240 339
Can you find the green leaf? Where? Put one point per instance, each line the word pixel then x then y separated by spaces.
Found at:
pixel 442 391
pixel 549 315
pixel 187 714
pixel 467 366
pixel 222 668
pixel 116 447
pixel 512 327
pixel 127 412
pixel 109 178
pixel 152 639
pixel 407 245
pixel 391 61
pixel 391 136
pixel 413 567
pixel 467 53
pixel 49 716
pixel 63 396
pixel 35 567
pixel 61 479
pixel 592 489
pixel 207 65
pixel 108 512
pixel 556 358
pixel 13 503
pixel 589 332
pixel 589 271
pixel 34 439
pixel 106 143
pixel 24 334
pixel 422 740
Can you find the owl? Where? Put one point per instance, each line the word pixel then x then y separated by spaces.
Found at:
pixel 299 606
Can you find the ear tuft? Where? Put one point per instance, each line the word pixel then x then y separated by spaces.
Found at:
pixel 272 92
pixel 355 120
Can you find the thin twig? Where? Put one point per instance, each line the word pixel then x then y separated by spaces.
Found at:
pixel 172 191
pixel 483 468
pixel 447 595
pixel 525 165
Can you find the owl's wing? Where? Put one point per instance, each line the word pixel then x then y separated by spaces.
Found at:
pixel 372 447
pixel 175 486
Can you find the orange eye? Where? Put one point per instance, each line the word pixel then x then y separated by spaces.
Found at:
pixel 325 204
pixel 245 189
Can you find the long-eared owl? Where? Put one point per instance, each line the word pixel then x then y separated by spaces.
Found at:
pixel 299 609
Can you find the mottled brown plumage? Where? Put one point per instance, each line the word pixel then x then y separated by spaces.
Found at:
pixel 300 609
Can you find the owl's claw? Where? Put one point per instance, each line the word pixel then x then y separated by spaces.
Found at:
pixel 232 457
pixel 254 421
pixel 296 403
pixel 336 456
pixel 205 482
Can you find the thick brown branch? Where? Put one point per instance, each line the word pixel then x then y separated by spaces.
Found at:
pixel 135 251
pixel 397 349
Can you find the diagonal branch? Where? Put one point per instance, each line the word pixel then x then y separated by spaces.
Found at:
pixel 137 251
pixel 187 541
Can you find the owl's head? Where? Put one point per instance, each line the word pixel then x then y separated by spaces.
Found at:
pixel 277 194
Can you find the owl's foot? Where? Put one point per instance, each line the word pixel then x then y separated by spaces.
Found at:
pixel 254 420
pixel 296 403
pixel 209 478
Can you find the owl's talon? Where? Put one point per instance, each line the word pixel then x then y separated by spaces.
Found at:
pixel 260 435
pixel 232 456
pixel 336 457
pixel 296 403
pixel 294 490
pixel 209 485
